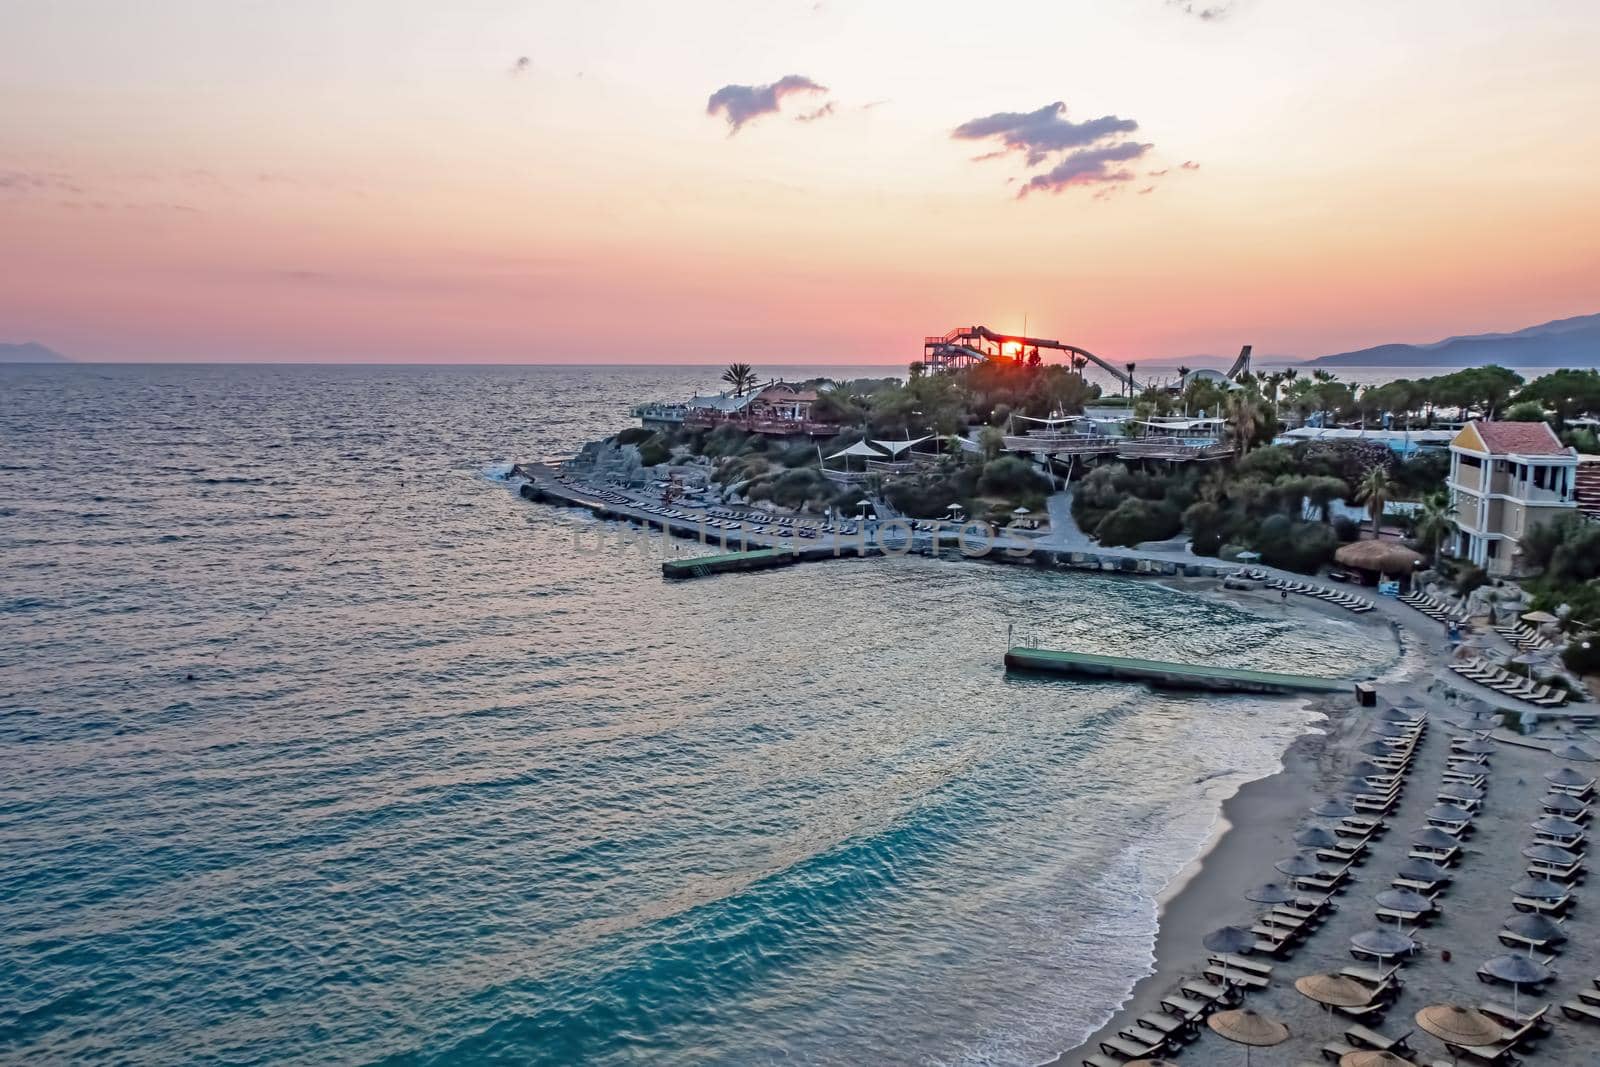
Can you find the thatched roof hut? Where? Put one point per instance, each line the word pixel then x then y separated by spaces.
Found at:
pixel 1381 557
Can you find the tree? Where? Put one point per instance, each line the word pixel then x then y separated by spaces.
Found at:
pixel 1244 418
pixel 1566 392
pixel 741 376
pixel 990 441
pixel 1436 520
pixel 1374 492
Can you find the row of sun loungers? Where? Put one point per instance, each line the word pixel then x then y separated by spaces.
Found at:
pixel 1432 607
pixel 1322 592
pixel 1495 677
pixel 1525 637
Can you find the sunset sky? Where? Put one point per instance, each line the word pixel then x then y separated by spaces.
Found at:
pixel 516 180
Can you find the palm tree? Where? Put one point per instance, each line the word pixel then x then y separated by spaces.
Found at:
pixel 1436 520
pixel 1244 417
pixel 741 376
pixel 1374 491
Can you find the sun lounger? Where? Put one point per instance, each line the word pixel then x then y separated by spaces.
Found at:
pixel 1207 990
pixel 1132 1050
pixel 1172 1026
pixel 1578 1010
pixel 1362 1037
pixel 1338 1050
pixel 1517 1020
pixel 1236 977
pixel 1185 1007
pixel 1140 1034
pixel 1373 976
pixel 1543 907
pixel 1240 963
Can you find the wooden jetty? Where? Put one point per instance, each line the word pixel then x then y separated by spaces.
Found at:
pixel 757 559
pixel 1166 675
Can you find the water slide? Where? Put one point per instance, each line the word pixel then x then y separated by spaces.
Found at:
pixel 952 346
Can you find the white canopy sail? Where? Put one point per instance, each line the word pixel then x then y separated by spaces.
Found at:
pixel 894 448
pixel 860 448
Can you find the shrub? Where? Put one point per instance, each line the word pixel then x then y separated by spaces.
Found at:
pixel 1583 656
pixel 654 451
pixel 1470 578
pixel 1345 529
pixel 1011 477
pixel 1135 520
pixel 1206 524
pixel 1295 546
pixel 634 435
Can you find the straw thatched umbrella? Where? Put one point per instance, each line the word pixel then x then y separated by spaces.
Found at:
pixel 1333 991
pixel 1574 753
pixel 1540 618
pixel 1384 557
pixel 1271 893
pixel 1567 778
pixel 1250 1029
pixel 1458 1026
pixel 1371 1058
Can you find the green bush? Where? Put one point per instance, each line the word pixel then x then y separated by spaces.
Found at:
pixel 634 435
pixel 1582 657
pixel 1206 524
pixel 1293 545
pixel 653 451
pixel 1134 521
pixel 1011 477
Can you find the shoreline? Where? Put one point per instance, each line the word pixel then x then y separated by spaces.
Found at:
pixel 1254 826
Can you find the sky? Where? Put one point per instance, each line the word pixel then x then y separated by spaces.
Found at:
pixel 804 181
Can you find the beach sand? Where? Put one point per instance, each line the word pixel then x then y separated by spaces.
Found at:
pixel 1257 828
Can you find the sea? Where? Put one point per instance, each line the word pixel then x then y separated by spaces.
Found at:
pixel 319 744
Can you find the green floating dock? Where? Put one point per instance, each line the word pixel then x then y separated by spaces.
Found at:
pixel 757 559
pixel 1168 675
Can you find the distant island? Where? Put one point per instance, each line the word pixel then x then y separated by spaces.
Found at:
pixel 30 352
pixel 1573 342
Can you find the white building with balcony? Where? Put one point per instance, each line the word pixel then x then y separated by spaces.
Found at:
pixel 1507 478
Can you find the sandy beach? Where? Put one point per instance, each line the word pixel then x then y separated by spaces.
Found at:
pixel 1257 829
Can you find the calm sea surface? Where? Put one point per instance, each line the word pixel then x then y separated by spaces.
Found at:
pixel 444 788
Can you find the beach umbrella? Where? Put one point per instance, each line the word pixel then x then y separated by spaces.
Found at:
pixel 1383 942
pixel 1334 808
pixel 1538 888
pixel 1376 748
pixel 1390 729
pixel 1457 791
pixel 1316 837
pixel 1409 701
pixel 1449 813
pixel 1361 785
pixel 1398 715
pixel 1403 900
pixel 1540 618
pixel 1575 754
pixel 1229 940
pixel 1250 1029
pixel 1560 857
pixel 1271 893
pixel 1368 769
pixel 1535 927
pixel 1433 837
pixel 1475 747
pixel 1333 991
pixel 1372 1058
pixel 1556 826
pixel 1563 805
pixel 1300 865
pixel 1516 971
pixel 1567 778
pixel 1423 871
pixel 1459 1026
pixel 1019 511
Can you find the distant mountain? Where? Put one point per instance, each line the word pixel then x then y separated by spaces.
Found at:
pixel 29 352
pixel 1573 342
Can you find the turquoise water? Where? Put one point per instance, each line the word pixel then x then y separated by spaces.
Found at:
pixel 444 788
